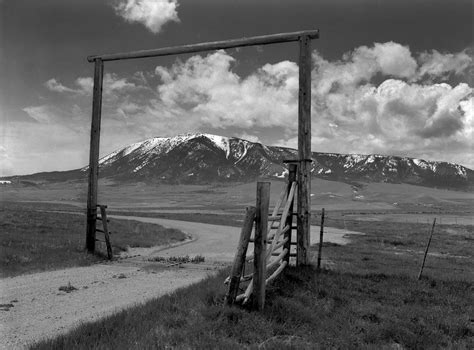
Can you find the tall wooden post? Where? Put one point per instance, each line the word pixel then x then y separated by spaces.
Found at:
pixel 304 151
pixel 94 156
pixel 260 244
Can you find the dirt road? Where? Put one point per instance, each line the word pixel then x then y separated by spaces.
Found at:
pixel 33 307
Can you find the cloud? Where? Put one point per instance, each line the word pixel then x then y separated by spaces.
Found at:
pixel 6 161
pixel 54 85
pixel 112 84
pixel 153 14
pixel 436 64
pixel 205 88
pixel 362 64
pixel 392 59
pixel 85 85
pixel 249 137
pixel 375 99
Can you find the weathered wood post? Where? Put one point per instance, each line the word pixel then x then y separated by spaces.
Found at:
pixel 260 244
pixel 321 233
pixel 103 215
pixel 94 156
pixel 426 250
pixel 292 169
pixel 304 150
pixel 240 255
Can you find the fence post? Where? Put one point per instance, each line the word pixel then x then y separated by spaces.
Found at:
pixel 292 168
pixel 260 244
pixel 304 150
pixel 103 214
pixel 321 233
pixel 239 259
pixel 94 156
pixel 426 250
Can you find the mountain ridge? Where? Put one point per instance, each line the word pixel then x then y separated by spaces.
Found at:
pixel 206 158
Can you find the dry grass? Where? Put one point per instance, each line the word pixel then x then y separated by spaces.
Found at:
pixel 304 310
pixel 34 240
pixel 370 300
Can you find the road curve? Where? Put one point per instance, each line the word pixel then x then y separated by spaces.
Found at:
pixel 40 310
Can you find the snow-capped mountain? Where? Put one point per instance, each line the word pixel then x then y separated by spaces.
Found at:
pixel 206 158
pixel 198 158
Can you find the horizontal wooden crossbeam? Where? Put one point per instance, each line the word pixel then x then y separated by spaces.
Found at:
pixel 215 45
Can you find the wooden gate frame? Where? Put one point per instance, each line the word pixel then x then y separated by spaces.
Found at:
pixel 304 122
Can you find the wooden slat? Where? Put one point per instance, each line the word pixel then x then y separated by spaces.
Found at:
pixel 277 254
pixel 279 258
pixel 281 243
pixel 94 156
pixel 216 45
pixel 280 200
pixel 284 215
pixel 292 171
pixel 277 272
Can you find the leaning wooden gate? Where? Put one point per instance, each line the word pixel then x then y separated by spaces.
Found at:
pixel 272 241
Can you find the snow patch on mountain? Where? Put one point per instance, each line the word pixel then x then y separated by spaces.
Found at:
pixel 246 161
pixel 421 163
pixel 245 146
pixel 221 142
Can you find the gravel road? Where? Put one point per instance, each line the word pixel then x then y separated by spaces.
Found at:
pixel 33 307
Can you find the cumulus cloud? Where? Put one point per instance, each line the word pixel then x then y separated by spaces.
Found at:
pixel 436 64
pixel 249 137
pixel 205 88
pixel 403 115
pixel 362 64
pixel 153 14
pixel 83 86
pixel 112 84
pixel 54 85
pixel 375 99
pixel 351 113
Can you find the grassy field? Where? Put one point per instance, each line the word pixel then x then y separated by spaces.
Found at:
pixel 369 298
pixel 33 240
pixel 398 248
pixel 304 310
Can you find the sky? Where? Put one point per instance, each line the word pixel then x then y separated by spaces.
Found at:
pixel 392 77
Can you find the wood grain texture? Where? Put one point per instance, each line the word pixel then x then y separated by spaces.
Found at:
pixel 304 150
pixel 239 260
pixel 260 244
pixel 216 45
pixel 94 156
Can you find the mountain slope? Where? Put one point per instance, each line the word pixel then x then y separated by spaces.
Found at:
pixel 206 158
pixel 197 158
